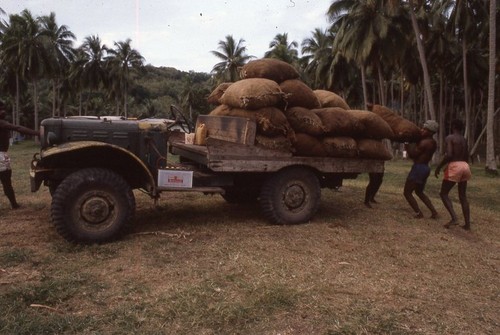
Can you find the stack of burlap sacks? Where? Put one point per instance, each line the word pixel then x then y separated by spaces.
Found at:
pixel 291 117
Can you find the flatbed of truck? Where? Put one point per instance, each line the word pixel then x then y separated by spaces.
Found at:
pixel 223 156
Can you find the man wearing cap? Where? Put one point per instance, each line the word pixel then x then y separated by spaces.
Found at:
pixel 457 171
pixel 5 169
pixel 421 153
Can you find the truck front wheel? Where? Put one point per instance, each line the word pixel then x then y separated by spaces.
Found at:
pixel 92 206
pixel 291 196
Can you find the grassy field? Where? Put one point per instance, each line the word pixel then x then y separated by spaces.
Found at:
pixel 197 265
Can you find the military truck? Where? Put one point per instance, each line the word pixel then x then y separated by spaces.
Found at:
pixel 92 165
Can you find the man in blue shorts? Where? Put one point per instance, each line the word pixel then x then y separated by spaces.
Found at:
pixel 421 154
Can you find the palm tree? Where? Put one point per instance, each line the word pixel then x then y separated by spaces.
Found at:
pixel 3 24
pixel 464 19
pixel 318 54
pixel 121 61
pixel 441 48
pixel 421 52
pixel 93 74
pixel 24 49
pixel 491 165
pixel 233 56
pixel 281 49
pixel 361 26
pixel 60 52
pixel 7 63
pixel 74 82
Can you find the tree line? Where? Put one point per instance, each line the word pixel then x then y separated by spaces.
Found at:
pixel 423 59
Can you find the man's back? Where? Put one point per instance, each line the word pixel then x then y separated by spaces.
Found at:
pixel 456 148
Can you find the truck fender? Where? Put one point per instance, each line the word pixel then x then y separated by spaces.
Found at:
pixel 83 154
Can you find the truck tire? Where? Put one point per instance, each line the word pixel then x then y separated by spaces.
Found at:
pixel 53 187
pixel 291 196
pixel 92 206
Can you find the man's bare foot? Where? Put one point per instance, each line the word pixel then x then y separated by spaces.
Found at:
pixel 374 201
pixel 434 215
pixel 451 223
pixel 367 204
pixel 418 215
pixel 466 227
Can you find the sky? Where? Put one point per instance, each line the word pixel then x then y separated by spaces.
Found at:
pixel 182 33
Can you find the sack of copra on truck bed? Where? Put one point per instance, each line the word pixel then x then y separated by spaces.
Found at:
pixel 299 94
pixel 374 126
pixel 279 143
pixel 269 68
pixel 404 130
pixel 339 122
pixel 269 121
pixel 214 97
pixel 308 145
pixel 304 120
pixel 330 99
pixel 253 93
pixel 341 146
pixel 374 149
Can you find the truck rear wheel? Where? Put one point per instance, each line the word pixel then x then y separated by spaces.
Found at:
pixel 92 205
pixel 291 196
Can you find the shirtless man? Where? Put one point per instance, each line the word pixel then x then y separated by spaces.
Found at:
pixel 421 153
pixel 457 171
pixel 5 168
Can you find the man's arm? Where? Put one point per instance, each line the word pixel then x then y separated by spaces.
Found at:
pixel 20 129
pixel 447 155
pixel 27 131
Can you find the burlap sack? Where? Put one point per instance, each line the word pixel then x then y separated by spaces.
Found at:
pixel 279 143
pixel 269 68
pixel 217 93
pixel 299 94
pixel 340 146
pixel 253 93
pixel 403 129
pixel 330 99
pixel 270 121
pixel 339 122
pixel 374 126
pixel 304 120
pixel 307 145
pixel 374 149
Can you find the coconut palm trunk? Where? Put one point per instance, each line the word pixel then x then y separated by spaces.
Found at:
pixel 466 91
pixel 35 103
pixel 423 61
pixel 363 83
pixel 491 165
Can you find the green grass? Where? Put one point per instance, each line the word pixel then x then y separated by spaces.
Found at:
pixel 197 265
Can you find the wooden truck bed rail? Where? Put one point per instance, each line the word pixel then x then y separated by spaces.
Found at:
pixel 230 148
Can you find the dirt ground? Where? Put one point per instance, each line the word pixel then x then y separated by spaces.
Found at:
pixel 199 265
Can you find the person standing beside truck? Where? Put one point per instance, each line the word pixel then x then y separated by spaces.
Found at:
pixel 421 153
pixel 456 158
pixel 375 181
pixel 5 169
